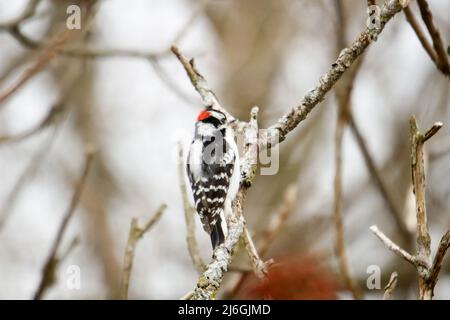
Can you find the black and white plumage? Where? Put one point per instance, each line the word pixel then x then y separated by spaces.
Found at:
pixel 213 171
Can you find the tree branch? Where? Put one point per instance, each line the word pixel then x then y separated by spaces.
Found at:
pixel 198 81
pixel 343 91
pixel 442 60
pixel 428 273
pixel 393 247
pixel 423 40
pixel 42 60
pixel 439 257
pixel 260 268
pixel 136 233
pixel 51 263
pixel 377 178
pixel 29 11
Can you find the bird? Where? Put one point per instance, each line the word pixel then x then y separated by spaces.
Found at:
pixel 213 170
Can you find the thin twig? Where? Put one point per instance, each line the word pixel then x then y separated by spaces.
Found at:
pixel 280 218
pixel 439 257
pixel 27 13
pixel 393 247
pixel 50 265
pixel 419 33
pixel 43 59
pixel 136 233
pixel 378 180
pixel 260 268
pixel 198 81
pixel 442 59
pixel 188 295
pixel 339 224
pixel 189 215
pixel 32 167
pixel 390 287
pixel 343 91
pixel 55 113
pixel 269 235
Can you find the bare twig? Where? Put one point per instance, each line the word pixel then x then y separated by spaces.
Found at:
pixel 29 11
pixel 54 114
pixel 188 295
pixel 393 247
pixel 189 215
pixel 274 228
pixel 43 59
pixel 343 91
pixel 422 38
pixel 439 257
pixel 51 263
pixel 379 182
pixel 30 170
pixel 442 59
pixel 260 268
pixel 390 287
pixel 136 233
pixel 199 83
pixel 269 235
pixel 428 273
pixel 339 224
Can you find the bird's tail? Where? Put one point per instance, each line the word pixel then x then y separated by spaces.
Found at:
pixel 218 232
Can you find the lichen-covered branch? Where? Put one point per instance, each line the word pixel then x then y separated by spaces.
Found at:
pixel 210 281
pixel 136 233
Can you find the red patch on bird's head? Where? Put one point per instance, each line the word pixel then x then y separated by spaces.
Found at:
pixel 203 115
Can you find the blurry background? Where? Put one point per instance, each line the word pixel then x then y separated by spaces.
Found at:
pixel 134 108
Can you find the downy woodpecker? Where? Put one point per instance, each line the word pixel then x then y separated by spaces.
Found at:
pixel 213 171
